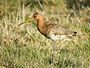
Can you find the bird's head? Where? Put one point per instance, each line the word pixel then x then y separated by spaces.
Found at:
pixel 37 16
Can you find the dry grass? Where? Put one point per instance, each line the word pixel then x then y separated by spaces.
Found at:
pixel 24 47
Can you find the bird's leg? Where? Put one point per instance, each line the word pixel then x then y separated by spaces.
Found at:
pixel 54 46
pixel 53 50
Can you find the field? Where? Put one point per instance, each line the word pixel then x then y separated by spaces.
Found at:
pixel 24 46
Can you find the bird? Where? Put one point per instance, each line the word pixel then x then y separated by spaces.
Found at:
pixel 51 30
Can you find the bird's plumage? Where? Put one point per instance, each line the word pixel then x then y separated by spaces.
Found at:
pixel 51 30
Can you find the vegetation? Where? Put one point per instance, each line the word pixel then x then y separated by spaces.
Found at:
pixel 24 47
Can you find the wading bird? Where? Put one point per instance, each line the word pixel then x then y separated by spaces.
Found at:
pixel 50 30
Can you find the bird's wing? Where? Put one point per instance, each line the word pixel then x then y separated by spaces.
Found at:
pixel 59 30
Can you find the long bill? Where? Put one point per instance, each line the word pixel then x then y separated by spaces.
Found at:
pixel 28 20
pixel 21 23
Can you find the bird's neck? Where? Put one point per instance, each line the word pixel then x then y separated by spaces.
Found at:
pixel 41 25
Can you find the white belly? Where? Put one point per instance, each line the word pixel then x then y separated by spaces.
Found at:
pixel 57 37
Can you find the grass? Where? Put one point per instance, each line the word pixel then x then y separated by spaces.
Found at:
pixel 24 47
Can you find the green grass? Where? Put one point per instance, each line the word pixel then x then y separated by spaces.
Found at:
pixel 24 47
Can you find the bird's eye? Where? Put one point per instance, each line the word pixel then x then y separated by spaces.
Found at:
pixel 34 16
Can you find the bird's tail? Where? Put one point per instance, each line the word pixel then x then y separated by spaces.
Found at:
pixel 74 33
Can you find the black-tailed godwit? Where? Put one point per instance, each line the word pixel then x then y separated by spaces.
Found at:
pixel 51 30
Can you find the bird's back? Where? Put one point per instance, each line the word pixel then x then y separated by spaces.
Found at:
pixel 55 30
